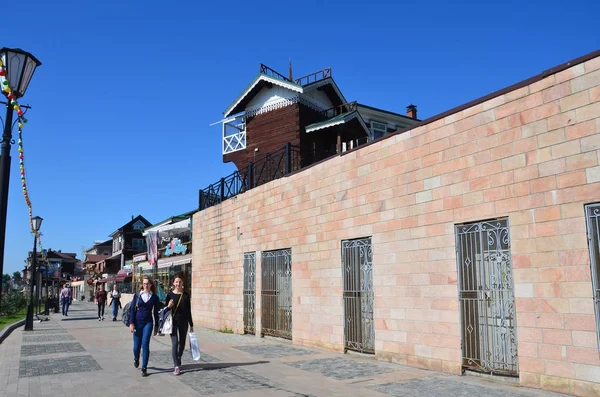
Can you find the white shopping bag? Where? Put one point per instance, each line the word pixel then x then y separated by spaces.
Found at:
pixel 194 346
pixel 165 321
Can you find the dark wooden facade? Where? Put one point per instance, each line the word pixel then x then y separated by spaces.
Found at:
pixel 270 131
pixel 267 132
pixel 313 146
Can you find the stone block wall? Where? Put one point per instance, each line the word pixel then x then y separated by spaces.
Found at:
pixel 531 154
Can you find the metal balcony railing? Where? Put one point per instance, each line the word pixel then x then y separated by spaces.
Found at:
pixel 273 166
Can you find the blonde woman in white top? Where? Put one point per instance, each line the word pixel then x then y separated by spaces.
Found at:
pixel 115 303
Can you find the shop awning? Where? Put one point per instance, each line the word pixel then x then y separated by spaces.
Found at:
pixel 175 261
pixel 181 225
pixel 119 277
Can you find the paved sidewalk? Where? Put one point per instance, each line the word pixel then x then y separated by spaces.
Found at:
pixel 80 356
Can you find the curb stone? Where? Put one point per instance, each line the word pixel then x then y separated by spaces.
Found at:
pixel 6 331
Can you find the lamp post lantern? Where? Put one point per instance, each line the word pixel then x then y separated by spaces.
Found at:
pixel 29 319
pixel 16 71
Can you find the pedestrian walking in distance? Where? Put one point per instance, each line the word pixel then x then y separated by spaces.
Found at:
pixel 101 301
pixel 180 303
pixel 65 299
pixel 141 315
pixel 115 302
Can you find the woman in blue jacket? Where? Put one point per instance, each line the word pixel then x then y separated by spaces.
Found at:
pixel 142 310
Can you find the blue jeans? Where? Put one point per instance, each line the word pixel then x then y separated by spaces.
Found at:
pixel 65 305
pixel 141 339
pixel 115 307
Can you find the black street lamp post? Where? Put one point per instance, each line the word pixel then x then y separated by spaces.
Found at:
pixel 46 308
pixel 16 71
pixel 29 319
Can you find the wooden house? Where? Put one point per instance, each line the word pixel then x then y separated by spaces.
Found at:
pixel 308 112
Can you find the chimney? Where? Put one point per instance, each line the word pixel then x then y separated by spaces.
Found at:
pixel 411 111
pixel 131 217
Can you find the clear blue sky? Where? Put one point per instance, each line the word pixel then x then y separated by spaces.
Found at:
pixel 127 90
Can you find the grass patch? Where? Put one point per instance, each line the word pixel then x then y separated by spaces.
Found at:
pixel 13 318
pixel 226 330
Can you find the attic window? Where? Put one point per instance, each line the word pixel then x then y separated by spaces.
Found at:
pixel 139 225
pixel 378 129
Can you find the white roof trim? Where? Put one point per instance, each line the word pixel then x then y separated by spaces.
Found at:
pixel 342 121
pixel 325 125
pixel 328 80
pixel 268 79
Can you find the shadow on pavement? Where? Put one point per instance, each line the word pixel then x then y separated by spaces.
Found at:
pixel 79 318
pixel 204 367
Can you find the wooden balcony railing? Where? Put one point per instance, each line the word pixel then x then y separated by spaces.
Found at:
pixel 313 77
pixel 340 109
pixel 264 69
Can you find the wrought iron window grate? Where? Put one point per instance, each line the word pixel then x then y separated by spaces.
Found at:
pixel 592 214
pixel 357 273
pixel 276 293
pixel 249 292
pixel 486 297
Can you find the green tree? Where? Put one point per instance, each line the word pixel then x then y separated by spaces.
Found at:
pixel 17 277
pixel 5 283
pixel 12 302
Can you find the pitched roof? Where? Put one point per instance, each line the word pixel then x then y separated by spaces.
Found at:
pixel 402 116
pixel 137 218
pixel 67 255
pixel 262 79
pixel 62 255
pixel 175 218
pixel 239 104
pixel 90 258
pixel 337 120
pixel 330 87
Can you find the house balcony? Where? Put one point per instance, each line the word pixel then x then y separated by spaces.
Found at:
pixel 234 134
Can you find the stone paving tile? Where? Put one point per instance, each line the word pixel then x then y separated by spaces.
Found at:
pixel 165 357
pixel 53 366
pixel 341 368
pixel 436 387
pixel 229 339
pixel 109 370
pixel 273 351
pixel 46 331
pixel 47 338
pixel 224 380
pixel 36 350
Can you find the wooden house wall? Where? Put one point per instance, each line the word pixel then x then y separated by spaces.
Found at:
pixel 268 132
pixel 313 142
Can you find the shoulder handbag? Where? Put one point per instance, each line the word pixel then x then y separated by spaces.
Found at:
pixel 125 316
pixel 167 325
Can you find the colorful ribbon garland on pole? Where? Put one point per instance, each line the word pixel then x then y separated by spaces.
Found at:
pixel 21 120
pixel 26 193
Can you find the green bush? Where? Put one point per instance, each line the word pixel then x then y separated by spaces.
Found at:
pixel 13 302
